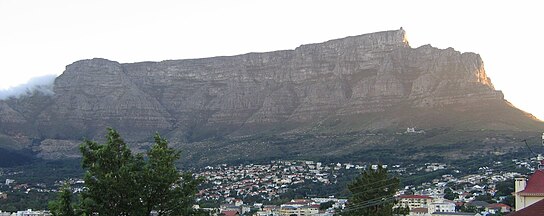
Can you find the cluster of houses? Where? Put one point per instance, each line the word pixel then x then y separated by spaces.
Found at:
pixel 271 179
pixel 528 193
pixel 422 205
pixel 305 207
pixel 28 212
pixel 529 199
pixel 25 187
pixel 267 181
pixel 230 184
pixel 419 205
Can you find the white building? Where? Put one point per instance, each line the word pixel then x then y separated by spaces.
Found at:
pixel 9 181
pixel 442 206
pixel 29 212
pixel 6 214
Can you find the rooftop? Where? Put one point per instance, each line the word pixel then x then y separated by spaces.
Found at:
pixel 535 185
pixel 532 210
pixel 414 197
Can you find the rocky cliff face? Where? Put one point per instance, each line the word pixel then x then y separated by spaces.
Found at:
pixel 340 81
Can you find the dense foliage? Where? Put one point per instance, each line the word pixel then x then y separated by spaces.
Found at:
pixel 21 200
pixel 120 183
pixel 448 194
pixel 13 158
pixel 372 193
pixel 62 206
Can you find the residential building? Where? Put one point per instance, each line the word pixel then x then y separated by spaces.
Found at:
pixel 478 204
pixel 238 202
pixel 496 208
pixel 288 210
pixel 419 212
pixel 299 211
pixel 414 201
pixel 230 207
pixel 455 214
pixel 231 213
pixel 442 206
pixel 9 181
pixel 531 210
pixel 299 208
pixel 30 212
pixel 529 192
pixel 269 210
pixel 309 210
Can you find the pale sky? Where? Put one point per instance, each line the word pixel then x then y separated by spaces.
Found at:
pixel 40 37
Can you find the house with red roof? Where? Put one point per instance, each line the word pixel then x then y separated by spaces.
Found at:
pixel 495 208
pixel 532 210
pixel 230 213
pixel 531 191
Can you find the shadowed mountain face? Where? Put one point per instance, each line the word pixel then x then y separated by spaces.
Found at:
pixel 369 82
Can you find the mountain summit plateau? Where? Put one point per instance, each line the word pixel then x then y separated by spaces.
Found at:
pixel 354 85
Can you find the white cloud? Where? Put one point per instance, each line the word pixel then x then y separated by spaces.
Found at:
pixel 42 84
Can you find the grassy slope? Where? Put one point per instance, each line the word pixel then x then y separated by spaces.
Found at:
pixel 451 132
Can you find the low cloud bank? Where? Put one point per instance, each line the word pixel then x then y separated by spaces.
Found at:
pixel 42 84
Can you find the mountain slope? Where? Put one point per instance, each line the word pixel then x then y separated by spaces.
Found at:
pixel 361 83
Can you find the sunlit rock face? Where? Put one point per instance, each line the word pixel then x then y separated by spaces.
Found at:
pixel 258 92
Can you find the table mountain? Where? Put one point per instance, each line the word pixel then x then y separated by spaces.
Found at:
pixel 361 83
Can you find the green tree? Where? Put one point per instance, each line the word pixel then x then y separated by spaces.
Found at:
pixel 372 193
pixel 469 208
pixel 62 206
pixel 326 205
pixel 120 183
pixel 449 194
pixel 167 191
pixel 504 188
pixel 485 197
pixel 113 177
pixel 401 210
pixel 509 200
pixel 409 192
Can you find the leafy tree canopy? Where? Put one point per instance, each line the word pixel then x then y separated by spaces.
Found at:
pixel 372 193
pixel 119 182
pixel 63 205
pixel 449 194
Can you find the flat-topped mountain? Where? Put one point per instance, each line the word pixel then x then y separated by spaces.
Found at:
pixel 368 82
